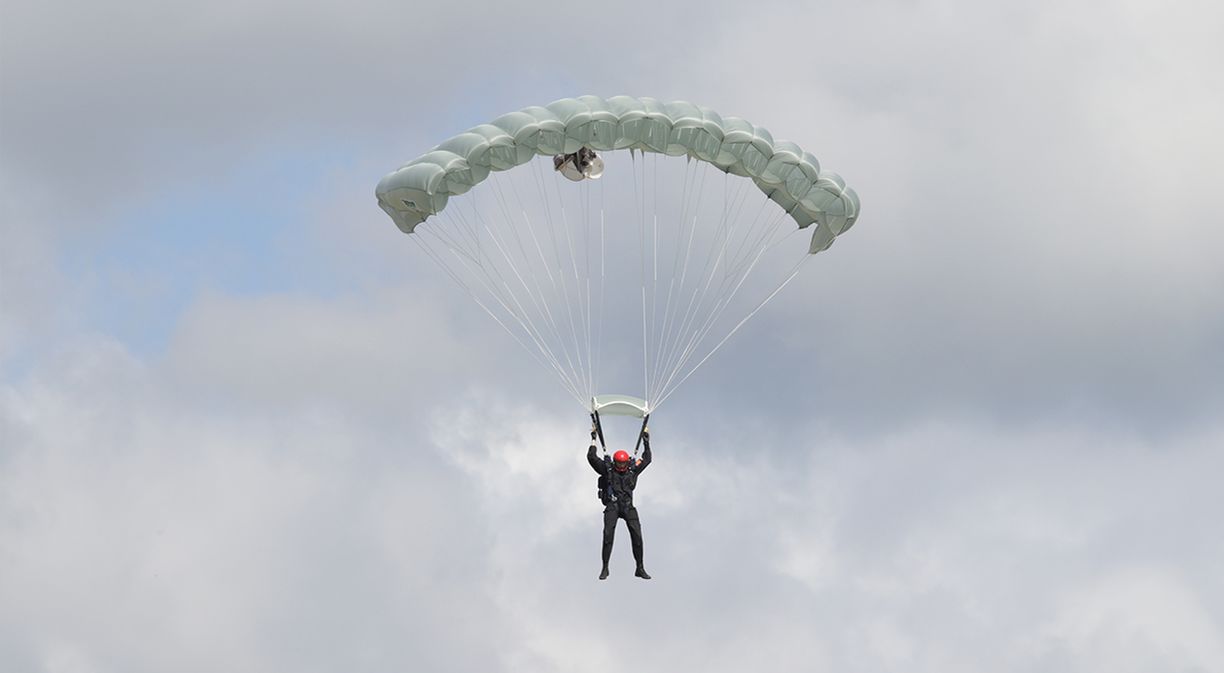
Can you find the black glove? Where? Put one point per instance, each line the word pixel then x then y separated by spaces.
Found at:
pixel 592 435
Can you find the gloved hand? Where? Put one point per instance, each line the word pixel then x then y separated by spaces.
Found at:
pixel 592 435
pixel 646 432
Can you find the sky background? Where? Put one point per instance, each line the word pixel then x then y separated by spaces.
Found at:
pixel 244 426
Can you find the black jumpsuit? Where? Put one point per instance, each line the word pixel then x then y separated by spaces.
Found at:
pixel 623 484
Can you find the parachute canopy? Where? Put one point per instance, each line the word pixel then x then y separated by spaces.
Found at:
pixel 560 264
pixel 781 169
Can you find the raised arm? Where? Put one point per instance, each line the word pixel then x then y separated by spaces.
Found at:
pixel 593 457
pixel 646 457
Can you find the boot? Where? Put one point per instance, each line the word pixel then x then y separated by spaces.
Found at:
pixel 641 572
pixel 603 574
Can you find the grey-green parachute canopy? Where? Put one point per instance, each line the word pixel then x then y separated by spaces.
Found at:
pixel 787 174
pixel 546 251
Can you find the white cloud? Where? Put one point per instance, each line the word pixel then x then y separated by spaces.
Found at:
pixel 982 435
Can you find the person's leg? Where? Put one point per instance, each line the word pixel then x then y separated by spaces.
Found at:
pixel 635 538
pixel 609 533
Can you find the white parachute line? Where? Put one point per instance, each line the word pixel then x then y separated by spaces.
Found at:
pixel 728 223
pixel 586 220
pixel 448 240
pixel 540 251
pixel 794 272
pixel 570 300
pixel 664 327
pixel 773 294
pixel 639 207
pixel 699 337
pixel 569 237
pixel 655 324
pixel 585 203
pixel 733 256
pixel 766 240
pixel 437 260
pixel 753 240
pixel 645 371
pixel 684 196
pixel 705 172
pixel 602 285
pixel 734 268
pixel 721 300
pixel 586 245
pixel 590 355
pixel 720 261
pixel 531 230
pixel 689 314
pixel 671 315
pixel 541 183
pixel 562 290
pixel 654 264
pixel 661 342
pixel 654 209
pixel 654 290
pixel 455 218
pixel 543 300
pixel 501 247
pixel 534 330
pixel 577 297
pixel 573 258
pixel 490 286
pixel 751 229
pixel 468 226
pixel 528 328
pixel 602 248
pixel 423 244
pixel 684 271
pixel 445 221
pixel 693 230
pixel 725 301
pixel 584 280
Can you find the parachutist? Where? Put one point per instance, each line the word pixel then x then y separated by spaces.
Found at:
pixel 617 480
pixel 580 165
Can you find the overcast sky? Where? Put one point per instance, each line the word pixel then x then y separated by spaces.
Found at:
pixel 245 427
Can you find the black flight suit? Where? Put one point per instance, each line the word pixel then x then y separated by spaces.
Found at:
pixel 622 484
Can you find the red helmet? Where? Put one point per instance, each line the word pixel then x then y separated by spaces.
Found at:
pixel 620 460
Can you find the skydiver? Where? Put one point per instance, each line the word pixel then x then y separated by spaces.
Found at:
pixel 617 479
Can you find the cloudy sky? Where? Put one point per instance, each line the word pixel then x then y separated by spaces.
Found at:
pixel 245 427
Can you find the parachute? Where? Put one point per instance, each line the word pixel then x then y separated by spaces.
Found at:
pixel 589 227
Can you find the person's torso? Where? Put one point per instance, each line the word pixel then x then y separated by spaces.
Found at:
pixel 622 484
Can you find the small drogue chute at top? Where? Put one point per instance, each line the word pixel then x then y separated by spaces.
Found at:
pixel 591 228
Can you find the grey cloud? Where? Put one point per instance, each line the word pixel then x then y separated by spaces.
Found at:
pixel 942 548
pixel 142 532
pixel 980 433
pixel 165 97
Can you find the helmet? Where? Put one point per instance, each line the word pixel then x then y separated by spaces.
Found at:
pixel 620 460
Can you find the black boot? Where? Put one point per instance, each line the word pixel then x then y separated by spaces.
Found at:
pixel 641 572
pixel 603 574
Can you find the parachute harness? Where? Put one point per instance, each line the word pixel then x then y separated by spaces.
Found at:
pixel 597 426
